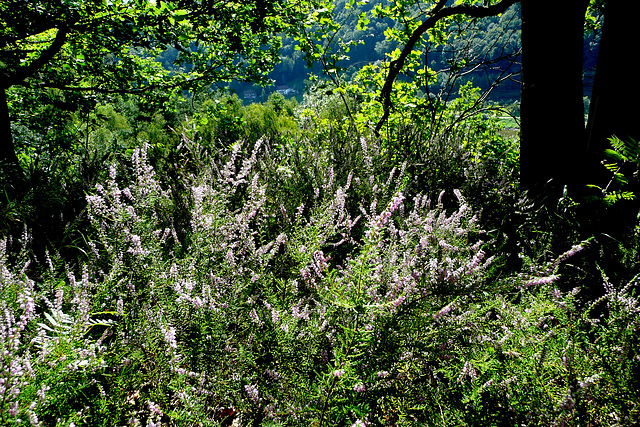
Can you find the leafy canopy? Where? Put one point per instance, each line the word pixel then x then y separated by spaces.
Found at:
pixel 111 45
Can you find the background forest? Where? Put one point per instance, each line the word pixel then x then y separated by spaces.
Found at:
pixel 349 213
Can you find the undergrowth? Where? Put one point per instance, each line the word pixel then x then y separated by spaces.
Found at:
pixel 270 285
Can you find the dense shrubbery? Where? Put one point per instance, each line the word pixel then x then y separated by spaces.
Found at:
pixel 309 277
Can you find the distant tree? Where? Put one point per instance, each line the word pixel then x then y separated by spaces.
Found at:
pixel 110 46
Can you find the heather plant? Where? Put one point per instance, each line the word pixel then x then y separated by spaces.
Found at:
pixel 51 348
pixel 534 355
pixel 275 319
pixel 299 293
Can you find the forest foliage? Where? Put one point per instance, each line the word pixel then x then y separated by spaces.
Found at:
pixel 195 259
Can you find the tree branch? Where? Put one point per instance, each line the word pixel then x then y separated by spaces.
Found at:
pixel 439 12
pixel 47 55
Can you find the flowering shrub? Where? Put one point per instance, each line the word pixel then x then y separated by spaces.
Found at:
pixel 49 351
pixel 349 303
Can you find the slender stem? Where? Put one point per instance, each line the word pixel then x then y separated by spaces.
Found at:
pixel 333 380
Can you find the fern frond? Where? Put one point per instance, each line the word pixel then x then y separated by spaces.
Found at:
pixel 98 322
pixel 617 144
pixel 627 150
pixel 620 178
pixel 612 167
pixel 632 150
pixel 59 324
pixel 615 155
pixel 616 196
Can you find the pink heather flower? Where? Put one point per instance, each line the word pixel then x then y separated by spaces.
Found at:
pixel 304 314
pixel 568 402
pixel 459 196
pixel 571 252
pixel 541 280
pixel 197 302
pixel 320 263
pixel 136 248
pixel 231 258
pixel 281 239
pixel 97 205
pixel 444 311
pixel 252 391
pixel 275 316
pixel 153 407
pixel 271 410
pixel 396 202
pixel 306 274
pixel 127 193
pixel 359 388
pixel 384 217
pixel 382 374
pixel 398 301
pixel 329 184
pixel 338 373
pixel 169 336
pixel 13 408
pixel 254 317
pixel 132 212
pixel 468 370
pixel 447 246
pixel 33 418
pixel 42 392
pixel 424 242
pixel 475 262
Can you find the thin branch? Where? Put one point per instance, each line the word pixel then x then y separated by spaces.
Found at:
pixel 439 12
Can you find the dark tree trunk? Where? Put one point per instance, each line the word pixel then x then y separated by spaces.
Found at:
pixel 9 163
pixel 552 144
pixel 615 102
pixel 615 108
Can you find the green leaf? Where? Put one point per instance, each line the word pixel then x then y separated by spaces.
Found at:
pixel 611 167
pixel 363 21
pixel 615 155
